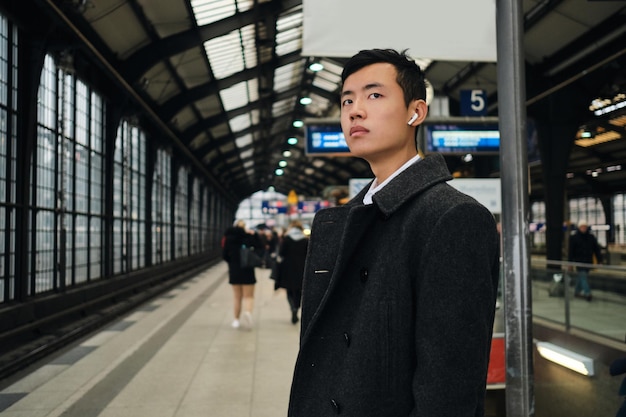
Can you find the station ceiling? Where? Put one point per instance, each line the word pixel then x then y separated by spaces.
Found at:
pixel 224 78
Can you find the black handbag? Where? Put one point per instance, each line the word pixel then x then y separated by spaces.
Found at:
pixel 249 258
pixel 276 270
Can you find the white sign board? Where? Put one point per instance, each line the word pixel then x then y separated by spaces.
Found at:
pixel 445 30
pixel 485 190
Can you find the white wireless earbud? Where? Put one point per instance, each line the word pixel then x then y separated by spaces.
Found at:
pixel 412 119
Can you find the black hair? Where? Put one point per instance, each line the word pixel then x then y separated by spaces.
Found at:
pixel 409 75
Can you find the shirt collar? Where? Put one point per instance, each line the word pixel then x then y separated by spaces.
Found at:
pixel 375 187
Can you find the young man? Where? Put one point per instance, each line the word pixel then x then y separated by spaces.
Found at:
pixel 400 283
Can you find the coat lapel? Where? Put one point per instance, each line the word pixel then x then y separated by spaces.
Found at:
pixel 342 228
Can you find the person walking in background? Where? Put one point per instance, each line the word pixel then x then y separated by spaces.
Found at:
pixel 292 255
pixel 582 248
pixel 400 283
pixel 271 247
pixel 241 279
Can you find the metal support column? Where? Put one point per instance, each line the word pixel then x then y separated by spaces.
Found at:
pixel 514 163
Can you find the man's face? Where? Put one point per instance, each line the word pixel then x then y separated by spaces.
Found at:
pixel 374 115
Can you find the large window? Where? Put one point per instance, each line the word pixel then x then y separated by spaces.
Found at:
pixel 181 213
pixel 42 255
pixel 66 186
pixel 129 180
pixel 161 208
pixel 8 160
pixel 194 217
pixel 619 218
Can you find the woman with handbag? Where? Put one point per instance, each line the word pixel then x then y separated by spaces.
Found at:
pixel 240 276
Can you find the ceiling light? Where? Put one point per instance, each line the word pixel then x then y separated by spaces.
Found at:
pixel 571 360
pixel 298 123
pixel 279 172
pixel 292 141
pixel 598 138
pixel 286 154
pixel 316 66
pixel 282 164
pixel 305 101
pixel 618 121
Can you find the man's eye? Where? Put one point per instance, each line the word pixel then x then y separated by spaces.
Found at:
pixel 375 95
pixel 346 101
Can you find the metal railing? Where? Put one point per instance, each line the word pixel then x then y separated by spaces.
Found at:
pixel 554 297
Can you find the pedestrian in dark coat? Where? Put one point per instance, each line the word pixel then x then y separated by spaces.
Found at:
pixel 583 246
pixel 292 255
pixel 400 283
pixel 241 279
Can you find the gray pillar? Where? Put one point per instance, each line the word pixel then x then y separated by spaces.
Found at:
pixel 516 261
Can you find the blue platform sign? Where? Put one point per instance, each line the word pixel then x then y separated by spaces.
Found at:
pixel 473 102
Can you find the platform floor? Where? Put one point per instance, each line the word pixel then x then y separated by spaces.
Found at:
pixel 155 363
pixel 178 356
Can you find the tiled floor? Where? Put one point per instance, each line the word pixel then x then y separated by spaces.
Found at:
pixel 177 356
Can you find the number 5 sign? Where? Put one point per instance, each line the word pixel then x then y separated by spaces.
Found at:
pixel 473 102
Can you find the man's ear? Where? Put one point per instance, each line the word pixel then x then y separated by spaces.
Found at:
pixel 421 109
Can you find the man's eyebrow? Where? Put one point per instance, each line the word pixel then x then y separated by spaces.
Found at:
pixel 367 87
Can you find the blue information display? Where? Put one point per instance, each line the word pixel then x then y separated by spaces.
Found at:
pixel 325 137
pixel 462 138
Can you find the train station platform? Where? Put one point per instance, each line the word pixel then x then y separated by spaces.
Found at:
pixel 178 356
pixel 175 356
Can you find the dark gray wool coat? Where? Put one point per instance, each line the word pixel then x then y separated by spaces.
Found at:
pixel 398 303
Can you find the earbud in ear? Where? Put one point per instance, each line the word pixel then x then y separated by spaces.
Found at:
pixel 412 119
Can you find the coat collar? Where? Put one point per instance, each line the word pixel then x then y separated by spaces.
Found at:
pixel 418 177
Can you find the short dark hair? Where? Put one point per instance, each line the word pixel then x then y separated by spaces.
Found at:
pixel 409 75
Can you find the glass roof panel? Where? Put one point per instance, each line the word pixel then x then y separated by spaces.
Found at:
pixel 209 11
pixel 253 89
pixel 243 141
pixel 224 54
pixel 235 96
pixel 239 123
pixel 249 46
pixel 287 76
pixel 243 5
pixel 289 32
pixel 289 41
pixel 282 107
pixel 325 84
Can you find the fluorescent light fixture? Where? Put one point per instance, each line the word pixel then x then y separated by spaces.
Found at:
pixel 316 66
pixel 567 358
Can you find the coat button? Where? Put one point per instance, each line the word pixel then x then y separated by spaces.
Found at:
pixel 336 407
pixel 346 337
pixel 364 273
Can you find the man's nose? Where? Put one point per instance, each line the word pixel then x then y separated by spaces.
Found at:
pixel 357 112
